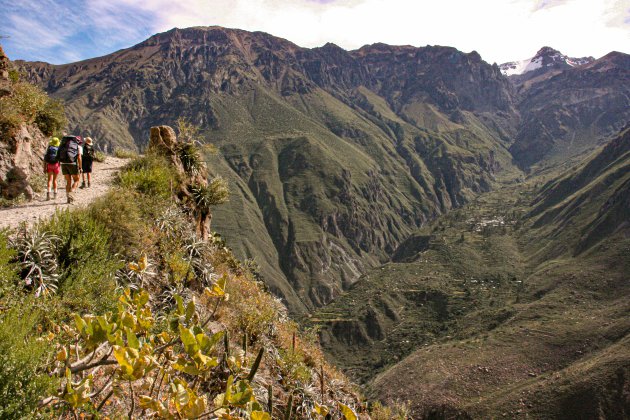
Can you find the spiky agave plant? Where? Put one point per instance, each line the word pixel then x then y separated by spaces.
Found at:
pixel 216 192
pixel 191 158
pixel 36 253
pixel 198 252
pixel 172 222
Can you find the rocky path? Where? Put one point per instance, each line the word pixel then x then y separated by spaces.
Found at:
pixel 102 178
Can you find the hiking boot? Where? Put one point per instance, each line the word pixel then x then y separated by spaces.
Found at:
pixel 82 185
pixel 55 195
pixel 70 198
pixel 47 195
pixel 89 184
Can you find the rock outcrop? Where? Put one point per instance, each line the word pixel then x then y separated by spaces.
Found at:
pixel 21 149
pixel 21 157
pixel 5 83
pixel 163 141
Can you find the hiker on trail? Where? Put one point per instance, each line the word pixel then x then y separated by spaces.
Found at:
pixel 87 160
pixel 70 157
pixel 51 166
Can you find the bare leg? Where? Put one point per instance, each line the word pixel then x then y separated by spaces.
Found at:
pixel 68 184
pixel 50 181
pixel 89 176
pixel 75 183
pixel 54 181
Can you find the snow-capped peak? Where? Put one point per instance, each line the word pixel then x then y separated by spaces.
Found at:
pixel 545 57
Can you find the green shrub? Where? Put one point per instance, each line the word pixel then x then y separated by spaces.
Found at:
pixel 29 100
pixel 149 175
pixel 22 383
pixel 51 119
pixel 8 269
pixel 14 75
pixel 29 104
pixel 122 212
pixel 125 154
pixel 87 261
pixel 38 182
pixel 6 203
pixel 100 156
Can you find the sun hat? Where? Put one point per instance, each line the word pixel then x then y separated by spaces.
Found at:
pixel 54 142
pixel 88 140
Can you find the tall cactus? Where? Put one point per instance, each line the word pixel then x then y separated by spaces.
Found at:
pixel 256 364
pixel 289 409
pixel 270 399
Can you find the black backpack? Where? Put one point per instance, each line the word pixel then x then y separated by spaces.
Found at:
pixel 88 151
pixel 69 149
pixel 52 155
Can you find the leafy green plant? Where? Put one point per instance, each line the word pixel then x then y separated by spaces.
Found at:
pixel 134 350
pixel 172 222
pixel 29 100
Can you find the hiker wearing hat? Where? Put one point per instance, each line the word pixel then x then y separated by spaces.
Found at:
pixel 51 166
pixel 88 159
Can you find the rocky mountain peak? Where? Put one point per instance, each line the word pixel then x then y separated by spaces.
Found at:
pixel 546 58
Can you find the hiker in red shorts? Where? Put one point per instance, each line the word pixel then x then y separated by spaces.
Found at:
pixel 51 166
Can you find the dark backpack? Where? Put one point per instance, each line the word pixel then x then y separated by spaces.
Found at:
pixel 88 151
pixel 52 155
pixel 69 149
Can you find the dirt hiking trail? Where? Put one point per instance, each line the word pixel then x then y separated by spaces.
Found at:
pixel 102 179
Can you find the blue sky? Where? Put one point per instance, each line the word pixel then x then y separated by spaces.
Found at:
pixel 62 31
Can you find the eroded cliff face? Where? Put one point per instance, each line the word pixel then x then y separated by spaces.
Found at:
pixel 21 148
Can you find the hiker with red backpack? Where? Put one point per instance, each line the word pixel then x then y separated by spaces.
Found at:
pixel 51 166
pixel 70 152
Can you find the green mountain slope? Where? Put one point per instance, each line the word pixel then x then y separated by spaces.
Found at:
pixel 516 303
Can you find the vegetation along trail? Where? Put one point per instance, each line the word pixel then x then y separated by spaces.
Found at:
pixel 102 178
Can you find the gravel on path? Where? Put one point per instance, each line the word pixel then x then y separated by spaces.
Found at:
pixel 102 178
